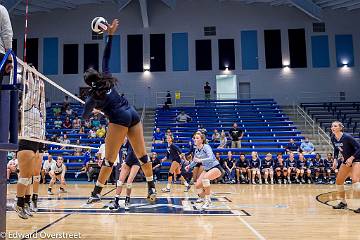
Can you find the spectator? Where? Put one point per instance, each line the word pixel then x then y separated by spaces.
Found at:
pixel 66 103
pixel 12 167
pixel 67 123
pixel 236 136
pixel 207 91
pixel 158 136
pixel 230 168
pixel 216 136
pixel 292 146
pixel 92 133
pixel 87 123
pixel 58 122
pixel 223 140
pixel 46 168
pixel 77 151
pixel 242 169
pixel 100 133
pixel 69 111
pixel 202 129
pixel 57 111
pixel 81 130
pixel 168 102
pixel 183 117
pixel 6 38
pixel 47 103
pixel 307 147
pixel 156 165
pixel 76 123
pixel 168 133
pixel 95 122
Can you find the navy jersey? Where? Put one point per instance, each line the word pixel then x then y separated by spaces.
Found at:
pixel 115 107
pixel 328 163
pixel 267 163
pixel 173 153
pixel 191 149
pixel 347 146
pixel 124 150
pixel 230 162
pixel 243 164
pixel 283 164
pixel 304 164
pixel 318 163
pixel 255 163
pixel 292 164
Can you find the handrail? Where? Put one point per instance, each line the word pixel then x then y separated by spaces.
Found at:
pixel 307 118
pixel 143 113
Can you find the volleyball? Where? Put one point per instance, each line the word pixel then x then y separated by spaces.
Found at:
pixel 99 25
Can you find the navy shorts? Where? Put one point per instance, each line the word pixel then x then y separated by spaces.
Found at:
pixel 198 165
pixel 31 145
pixel 178 160
pixel 131 160
pixel 124 116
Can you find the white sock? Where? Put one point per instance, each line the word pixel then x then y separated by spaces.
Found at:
pixel 186 183
pixel 168 186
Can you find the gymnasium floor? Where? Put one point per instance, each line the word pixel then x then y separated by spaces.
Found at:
pixel 238 212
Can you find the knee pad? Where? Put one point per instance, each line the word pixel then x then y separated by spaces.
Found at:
pixel 36 178
pixel 119 183
pixel 356 187
pixel 25 181
pixel 144 159
pixel 206 182
pixel 106 163
pixel 340 188
pixel 129 185
pixel 99 184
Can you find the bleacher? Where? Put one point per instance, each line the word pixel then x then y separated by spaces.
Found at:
pixel 326 112
pixel 266 128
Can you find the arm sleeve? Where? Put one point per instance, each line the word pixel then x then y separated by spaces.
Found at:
pixel 6 29
pixel 106 57
pixel 89 106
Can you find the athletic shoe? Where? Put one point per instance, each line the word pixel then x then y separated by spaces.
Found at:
pixel 206 205
pixel 187 188
pixel 272 182
pixel 152 195
pixel 62 190
pixel 94 198
pixel 279 181
pixel 253 182
pixel 357 210
pixel 77 174
pixel 302 180
pixel 199 200
pixel 114 205
pixel 309 181
pixel 20 211
pixel 165 190
pixel 50 193
pixel 341 205
pixel 27 210
pixel 285 181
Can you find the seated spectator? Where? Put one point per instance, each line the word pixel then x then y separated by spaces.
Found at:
pixel 76 123
pixel 69 111
pixel 216 136
pixel 67 123
pixel 12 168
pixel 223 140
pixel 292 146
pixel 156 165
pixel 95 122
pixel 168 133
pixel 54 138
pixel 158 136
pixel 64 140
pixel 57 111
pixel 183 117
pixel 87 123
pixel 78 151
pixel 81 130
pixel 230 167
pixel 46 168
pixel 58 123
pixel 307 147
pixel 100 133
pixel 92 133
pixel 47 103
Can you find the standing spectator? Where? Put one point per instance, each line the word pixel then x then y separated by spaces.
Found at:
pixel 6 38
pixel 87 123
pixel 158 136
pixel 216 136
pixel 183 117
pixel 76 123
pixel 223 140
pixel 307 147
pixel 292 146
pixel 236 136
pixel 66 103
pixel 207 91
pixel 95 122
pixel 168 101
pixel 168 133
pixel 68 111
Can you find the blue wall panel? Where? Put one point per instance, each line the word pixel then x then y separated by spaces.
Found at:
pixel 51 56
pixel 320 51
pixel 115 58
pixel 180 52
pixel 344 50
pixel 249 49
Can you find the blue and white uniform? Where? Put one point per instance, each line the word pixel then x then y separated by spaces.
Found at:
pixel 207 157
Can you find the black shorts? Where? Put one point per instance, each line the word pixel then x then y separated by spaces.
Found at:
pixel 178 160
pixel 125 116
pixel 131 160
pixel 31 145
pixel 198 165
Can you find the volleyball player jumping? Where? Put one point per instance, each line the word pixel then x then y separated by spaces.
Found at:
pixel 123 121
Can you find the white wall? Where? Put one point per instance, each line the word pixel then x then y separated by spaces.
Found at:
pixel 72 26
